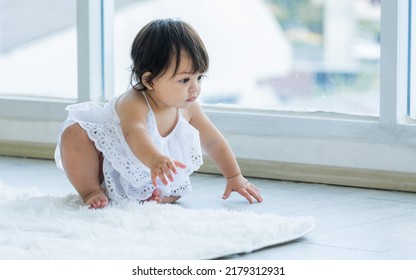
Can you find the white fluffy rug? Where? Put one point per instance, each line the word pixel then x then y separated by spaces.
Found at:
pixel 45 227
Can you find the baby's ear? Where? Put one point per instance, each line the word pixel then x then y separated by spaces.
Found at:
pixel 146 80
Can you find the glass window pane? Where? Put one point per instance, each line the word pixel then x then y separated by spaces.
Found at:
pixel 38 48
pixel 412 61
pixel 291 55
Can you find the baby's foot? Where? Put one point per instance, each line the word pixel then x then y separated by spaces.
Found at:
pixel 165 200
pixel 155 196
pixel 96 199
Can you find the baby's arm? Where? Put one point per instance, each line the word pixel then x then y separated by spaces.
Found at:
pixel 132 112
pixel 217 148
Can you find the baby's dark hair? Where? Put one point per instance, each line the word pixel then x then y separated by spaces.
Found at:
pixel 160 42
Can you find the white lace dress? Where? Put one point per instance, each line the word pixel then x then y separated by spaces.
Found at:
pixel 125 176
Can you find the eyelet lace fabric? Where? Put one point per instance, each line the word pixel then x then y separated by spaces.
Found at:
pixel 125 176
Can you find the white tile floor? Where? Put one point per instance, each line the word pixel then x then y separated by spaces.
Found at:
pixel 352 223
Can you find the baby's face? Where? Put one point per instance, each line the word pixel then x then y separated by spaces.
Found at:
pixel 178 89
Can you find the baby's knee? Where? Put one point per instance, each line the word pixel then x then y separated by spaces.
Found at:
pixel 73 134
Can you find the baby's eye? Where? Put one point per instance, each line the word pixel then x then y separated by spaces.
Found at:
pixel 184 81
pixel 200 77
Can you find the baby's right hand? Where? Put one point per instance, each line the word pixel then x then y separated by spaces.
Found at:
pixel 162 168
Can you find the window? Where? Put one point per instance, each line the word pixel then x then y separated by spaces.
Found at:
pixel 274 54
pixel 38 49
pixel 412 62
pixel 305 142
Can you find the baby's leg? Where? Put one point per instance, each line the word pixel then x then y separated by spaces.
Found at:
pixel 82 163
pixel 170 199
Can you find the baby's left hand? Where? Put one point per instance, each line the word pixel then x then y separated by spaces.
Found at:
pixel 243 187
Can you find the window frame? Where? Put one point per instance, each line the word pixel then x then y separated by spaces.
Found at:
pixel 294 138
